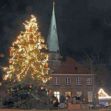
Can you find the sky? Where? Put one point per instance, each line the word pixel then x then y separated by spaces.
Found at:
pixel 84 26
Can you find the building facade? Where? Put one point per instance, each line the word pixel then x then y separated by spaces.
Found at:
pixel 74 80
pixel 69 78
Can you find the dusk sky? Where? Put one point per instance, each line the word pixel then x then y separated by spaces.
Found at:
pixel 84 26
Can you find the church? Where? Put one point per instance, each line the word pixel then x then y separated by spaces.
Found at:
pixel 69 78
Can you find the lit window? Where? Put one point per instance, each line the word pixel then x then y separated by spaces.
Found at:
pixel 78 93
pixel 68 81
pixel 78 81
pixel 89 81
pixel 57 95
pixel 68 93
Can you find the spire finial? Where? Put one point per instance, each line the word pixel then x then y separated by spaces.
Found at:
pixel 53 3
pixel 53 44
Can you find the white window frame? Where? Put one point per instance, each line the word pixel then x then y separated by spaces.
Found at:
pixel 78 81
pixel 68 81
pixel 89 81
pixel 56 81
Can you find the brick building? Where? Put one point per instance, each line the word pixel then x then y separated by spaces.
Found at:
pixel 72 79
pixel 68 77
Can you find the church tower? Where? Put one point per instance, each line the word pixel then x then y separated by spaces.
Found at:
pixel 53 43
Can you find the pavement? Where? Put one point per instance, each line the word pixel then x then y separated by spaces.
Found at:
pixel 55 110
pixel 73 107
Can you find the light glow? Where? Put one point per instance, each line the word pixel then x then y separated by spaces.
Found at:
pixel 26 58
pixel 103 95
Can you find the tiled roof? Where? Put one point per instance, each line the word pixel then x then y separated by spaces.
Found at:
pixel 70 66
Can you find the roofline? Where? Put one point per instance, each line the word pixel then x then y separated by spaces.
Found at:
pixel 74 74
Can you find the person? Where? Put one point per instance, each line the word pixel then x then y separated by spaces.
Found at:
pixel 62 102
pixel 55 102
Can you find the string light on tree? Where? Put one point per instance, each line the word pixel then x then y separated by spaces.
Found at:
pixel 26 58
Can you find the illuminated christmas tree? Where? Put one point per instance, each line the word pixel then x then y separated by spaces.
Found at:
pixel 28 60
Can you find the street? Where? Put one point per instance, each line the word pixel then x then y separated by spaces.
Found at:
pixel 52 110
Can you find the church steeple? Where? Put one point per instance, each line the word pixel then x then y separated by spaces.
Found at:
pixel 53 44
pixel 52 40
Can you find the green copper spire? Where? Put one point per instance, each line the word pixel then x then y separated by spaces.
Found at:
pixel 52 41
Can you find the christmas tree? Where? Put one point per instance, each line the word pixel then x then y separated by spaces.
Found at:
pixel 27 60
pixel 28 67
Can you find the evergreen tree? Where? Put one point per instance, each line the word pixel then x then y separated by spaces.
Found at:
pixel 28 67
pixel 27 60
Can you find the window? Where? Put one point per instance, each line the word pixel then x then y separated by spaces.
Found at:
pixel 78 93
pixel 89 81
pixel 56 81
pixel 78 81
pixel 68 93
pixel 57 95
pixel 68 81
pixel 90 96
